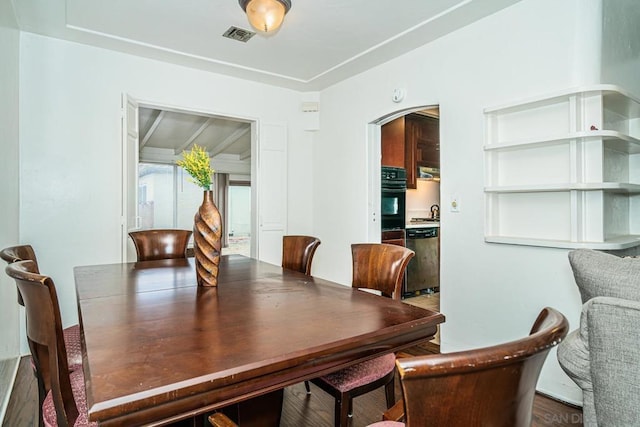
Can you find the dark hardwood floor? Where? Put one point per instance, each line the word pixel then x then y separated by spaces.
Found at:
pixel 299 409
pixel 23 403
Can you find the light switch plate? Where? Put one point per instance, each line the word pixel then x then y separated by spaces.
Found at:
pixel 454 204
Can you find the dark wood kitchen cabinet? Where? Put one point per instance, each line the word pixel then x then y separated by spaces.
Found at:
pixel 409 142
pixel 392 137
pixel 393 237
pixel 422 145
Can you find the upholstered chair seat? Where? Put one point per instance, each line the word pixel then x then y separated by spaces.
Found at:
pixel 79 395
pixel 361 374
pixel 74 350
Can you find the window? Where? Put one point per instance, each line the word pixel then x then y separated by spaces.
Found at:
pixel 167 198
pixel 239 209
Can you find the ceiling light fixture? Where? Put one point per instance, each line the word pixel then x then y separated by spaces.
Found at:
pixel 265 15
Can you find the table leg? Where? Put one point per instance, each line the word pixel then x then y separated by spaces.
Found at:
pixel 261 411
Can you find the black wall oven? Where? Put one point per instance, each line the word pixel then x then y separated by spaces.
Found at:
pixel 393 199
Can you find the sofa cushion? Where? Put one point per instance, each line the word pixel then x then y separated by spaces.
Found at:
pixel 602 274
pixel 613 346
pixel 573 356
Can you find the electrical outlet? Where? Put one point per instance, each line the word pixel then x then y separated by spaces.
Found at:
pixel 454 204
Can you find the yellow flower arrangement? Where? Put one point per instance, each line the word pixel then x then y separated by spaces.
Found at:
pixel 196 163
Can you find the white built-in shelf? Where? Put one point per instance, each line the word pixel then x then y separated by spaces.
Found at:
pixel 612 187
pixel 563 170
pixel 612 139
pixel 623 242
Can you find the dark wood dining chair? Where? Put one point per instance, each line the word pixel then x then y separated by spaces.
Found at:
pixel 379 267
pixel 160 243
pixel 71 334
pixel 19 253
pixel 491 386
pixel 298 252
pixel 65 401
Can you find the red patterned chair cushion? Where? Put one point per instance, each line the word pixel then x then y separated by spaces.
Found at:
pixel 79 394
pixel 387 424
pixel 72 343
pixel 362 373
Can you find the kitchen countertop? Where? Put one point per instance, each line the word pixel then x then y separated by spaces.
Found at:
pixel 426 224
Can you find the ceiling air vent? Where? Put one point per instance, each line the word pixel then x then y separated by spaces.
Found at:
pixel 239 34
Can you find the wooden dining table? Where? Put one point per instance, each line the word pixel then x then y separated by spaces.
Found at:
pixel 157 348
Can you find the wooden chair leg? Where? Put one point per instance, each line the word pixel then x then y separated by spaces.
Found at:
pixel 343 404
pixel 306 386
pixel 390 392
pixel 41 396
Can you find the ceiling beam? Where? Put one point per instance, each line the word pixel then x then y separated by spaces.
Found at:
pixel 245 155
pixel 152 129
pixel 228 141
pixel 193 137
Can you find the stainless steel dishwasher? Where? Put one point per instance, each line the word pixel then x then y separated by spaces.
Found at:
pixel 423 271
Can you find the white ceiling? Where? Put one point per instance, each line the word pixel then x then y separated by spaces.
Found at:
pixel 320 43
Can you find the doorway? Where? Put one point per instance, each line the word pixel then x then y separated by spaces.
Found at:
pixel 160 193
pixel 239 224
pixel 410 139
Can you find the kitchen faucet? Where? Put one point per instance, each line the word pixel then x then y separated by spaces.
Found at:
pixel 435 212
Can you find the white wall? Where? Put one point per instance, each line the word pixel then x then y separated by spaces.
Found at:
pixel 9 191
pixel 621 43
pixel 490 292
pixel 299 205
pixel 9 173
pixel 71 146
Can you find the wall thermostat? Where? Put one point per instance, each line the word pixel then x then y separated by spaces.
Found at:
pixel 398 95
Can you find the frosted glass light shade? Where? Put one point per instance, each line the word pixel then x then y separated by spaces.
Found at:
pixel 266 15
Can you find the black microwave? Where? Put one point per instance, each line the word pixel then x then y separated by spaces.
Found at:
pixel 393 198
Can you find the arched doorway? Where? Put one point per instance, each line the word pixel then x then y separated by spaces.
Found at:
pixel 415 133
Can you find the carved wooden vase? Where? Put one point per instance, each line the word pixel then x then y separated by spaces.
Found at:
pixel 207 233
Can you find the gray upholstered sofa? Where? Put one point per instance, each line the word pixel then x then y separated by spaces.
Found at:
pixel 603 355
